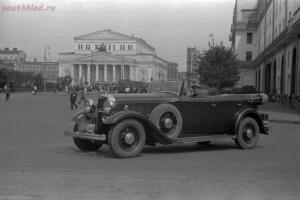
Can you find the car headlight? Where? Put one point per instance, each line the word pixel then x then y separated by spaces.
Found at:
pixel 89 105
pixel 89 102
pixel 109 104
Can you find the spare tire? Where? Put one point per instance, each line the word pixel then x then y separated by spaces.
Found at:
pixel 167 118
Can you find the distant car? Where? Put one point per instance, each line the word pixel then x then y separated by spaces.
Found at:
pixel 127 122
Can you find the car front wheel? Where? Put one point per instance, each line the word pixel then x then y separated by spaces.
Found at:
pixel 127 138
pixel 248 133
pixel 85 145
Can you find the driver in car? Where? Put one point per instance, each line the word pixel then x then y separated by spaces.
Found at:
pixel 195 90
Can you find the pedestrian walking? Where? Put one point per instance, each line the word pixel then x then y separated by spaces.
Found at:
pixel 73 98
pixel 35 89
pixel 7 91
pixel 82 96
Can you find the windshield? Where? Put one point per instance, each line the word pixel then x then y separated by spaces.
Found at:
pixel 165 86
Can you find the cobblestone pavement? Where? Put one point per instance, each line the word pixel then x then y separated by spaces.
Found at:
pixel 38 162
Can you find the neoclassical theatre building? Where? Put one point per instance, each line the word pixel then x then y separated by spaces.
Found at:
pixel 107 56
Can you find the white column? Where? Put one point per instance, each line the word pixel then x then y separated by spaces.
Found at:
pixel 114 73
pixel 130 72
pixel 89 74
pixel 80 73
pixel 105 73
pixel 122 72
pixel 150 74
pixel 72 73
pixel 97 72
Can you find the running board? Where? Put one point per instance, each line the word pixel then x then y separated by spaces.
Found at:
pixel 203 138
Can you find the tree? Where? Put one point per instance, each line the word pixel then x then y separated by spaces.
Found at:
pixel 218 67
pixel 67 80
pixel 38 80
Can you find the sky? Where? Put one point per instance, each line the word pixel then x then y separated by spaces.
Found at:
pixel 170 26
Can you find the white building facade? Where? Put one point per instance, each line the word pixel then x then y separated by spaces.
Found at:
pixel 106 56
pixel 275 28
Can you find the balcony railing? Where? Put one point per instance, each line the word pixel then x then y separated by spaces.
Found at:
pixel 246 25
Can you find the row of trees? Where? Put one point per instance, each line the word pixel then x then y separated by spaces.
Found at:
pixel 20 80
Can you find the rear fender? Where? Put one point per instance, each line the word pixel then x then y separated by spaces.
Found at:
pixel 249 113
pixel 150 128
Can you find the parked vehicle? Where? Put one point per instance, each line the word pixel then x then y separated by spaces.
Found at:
pixel 127 122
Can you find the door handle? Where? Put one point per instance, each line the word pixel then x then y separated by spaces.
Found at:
pixel 213 105
pixel 239 104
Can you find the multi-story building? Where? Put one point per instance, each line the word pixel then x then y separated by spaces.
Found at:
pixel 107 56
pixel 48 70
pixel 244 40
pixel 266 37
pixel 172 71
pixel 14 56
pixel 193 56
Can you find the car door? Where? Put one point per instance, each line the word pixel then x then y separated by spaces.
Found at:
pixel 226 111
pixel 198 115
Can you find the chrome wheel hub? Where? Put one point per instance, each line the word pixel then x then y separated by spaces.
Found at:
pixel 129 138
pixel 249 133
pixel 168 123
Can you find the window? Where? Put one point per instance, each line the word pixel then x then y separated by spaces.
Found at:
pixel 87 47
pixel 128 47
pixel 249 38
pixel 108 47
pixel 122 47
pixel 114 47
pixel 279 28
pixel 248 55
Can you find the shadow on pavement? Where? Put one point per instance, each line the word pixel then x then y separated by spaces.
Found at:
pixel 190 148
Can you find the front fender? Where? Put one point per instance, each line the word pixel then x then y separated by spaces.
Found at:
pixel 77 115
pixel 251 113
pixel 150 128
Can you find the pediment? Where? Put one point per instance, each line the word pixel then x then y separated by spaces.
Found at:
pixel 102 57
pixel 105 34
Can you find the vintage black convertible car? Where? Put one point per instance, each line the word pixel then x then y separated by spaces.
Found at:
pixel 127 122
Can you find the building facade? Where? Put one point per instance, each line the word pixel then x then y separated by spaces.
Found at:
pixel 274 26
pixel 193 56
pixel 48 70
pixel 107 56
pixel 13 56
pixel 172 71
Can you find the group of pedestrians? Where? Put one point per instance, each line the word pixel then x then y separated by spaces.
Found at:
pixel 73 98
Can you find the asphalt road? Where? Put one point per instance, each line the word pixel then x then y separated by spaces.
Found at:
pixel 38 162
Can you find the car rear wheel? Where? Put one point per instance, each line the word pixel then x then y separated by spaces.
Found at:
pixel 85 145
pixel 248 133
pixel 127 138
pixel 167 118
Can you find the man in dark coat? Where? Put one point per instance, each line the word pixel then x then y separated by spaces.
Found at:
pixel 7 91
pixel 73 98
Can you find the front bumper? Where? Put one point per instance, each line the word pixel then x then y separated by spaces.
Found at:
pixel 86 135
pixel 265 120
pixel 267 127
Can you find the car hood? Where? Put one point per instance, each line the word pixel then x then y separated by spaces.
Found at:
pixel 152 97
